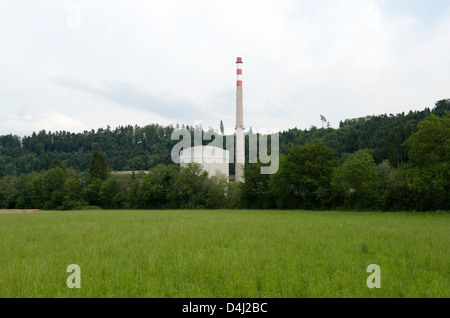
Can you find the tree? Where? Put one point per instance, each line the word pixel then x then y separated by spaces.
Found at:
pixel 222 130
pixel 322 119
pixel 429 146
pixel 38 191
pixel 255 192
pixel 156 186
pixel 190 187
pixel 54 188
pixel 216 195
pixel 98 168
pixel 355 181
pixel 72 191
pixel 429 155
pixel 303 180
pixel 56 163
pixel 109 194
pixel 396 193
pixel 91 192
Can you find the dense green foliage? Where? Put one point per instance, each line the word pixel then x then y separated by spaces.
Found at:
pixel 429 153
pixel 140 148
pixel 303 180
pixel 224 253
pixel 384 162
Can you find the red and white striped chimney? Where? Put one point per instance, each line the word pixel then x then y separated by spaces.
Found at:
pixel 240 145
pixel 239 71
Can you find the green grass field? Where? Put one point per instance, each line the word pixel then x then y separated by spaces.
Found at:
pixel 287 254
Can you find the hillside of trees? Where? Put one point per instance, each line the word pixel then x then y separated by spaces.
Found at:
pixel 384 162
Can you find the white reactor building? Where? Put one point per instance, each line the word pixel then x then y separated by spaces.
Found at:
pixel 214 160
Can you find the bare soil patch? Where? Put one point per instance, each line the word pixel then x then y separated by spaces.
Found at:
pixel 5 211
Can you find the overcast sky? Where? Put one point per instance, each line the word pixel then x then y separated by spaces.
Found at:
pixel 84 64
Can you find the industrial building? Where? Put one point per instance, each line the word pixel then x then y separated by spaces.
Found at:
pixel 214 160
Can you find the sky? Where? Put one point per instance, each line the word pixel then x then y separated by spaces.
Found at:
pixel 87 64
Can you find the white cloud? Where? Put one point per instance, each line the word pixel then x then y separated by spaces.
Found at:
pixel 339 58
pixel 57 121
pixel 23 122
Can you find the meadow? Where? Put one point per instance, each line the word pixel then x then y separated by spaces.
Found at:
pixel 224 253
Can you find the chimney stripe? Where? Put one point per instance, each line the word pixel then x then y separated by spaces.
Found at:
pixel 239 72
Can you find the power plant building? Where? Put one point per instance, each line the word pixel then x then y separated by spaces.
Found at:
pixel 214 160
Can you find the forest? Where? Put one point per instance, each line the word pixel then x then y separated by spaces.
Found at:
pixel 385 162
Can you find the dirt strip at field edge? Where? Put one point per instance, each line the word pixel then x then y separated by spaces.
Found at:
pixel 6 211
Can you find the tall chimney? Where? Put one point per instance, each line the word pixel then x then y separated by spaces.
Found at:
pixel 240 144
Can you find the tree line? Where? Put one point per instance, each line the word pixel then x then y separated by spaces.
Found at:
pixel 141 148
pixel 382 162
pixel 164 186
